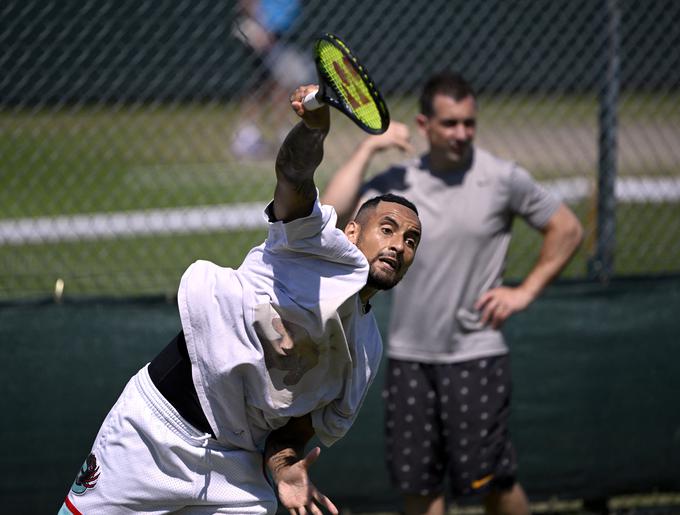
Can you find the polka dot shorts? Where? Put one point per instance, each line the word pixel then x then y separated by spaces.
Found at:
pixel 449 420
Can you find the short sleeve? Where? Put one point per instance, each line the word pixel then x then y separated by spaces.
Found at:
pixel 530 200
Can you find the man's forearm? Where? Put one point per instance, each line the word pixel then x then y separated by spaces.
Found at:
pixel 299 156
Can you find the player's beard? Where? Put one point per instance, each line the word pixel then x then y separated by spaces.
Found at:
pixel 381 281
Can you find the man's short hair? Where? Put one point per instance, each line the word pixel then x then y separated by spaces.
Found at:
pixel 371 204
pixel 450 84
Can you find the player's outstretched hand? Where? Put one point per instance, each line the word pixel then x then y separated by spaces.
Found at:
pixel 396 136
pixel 314 119
pixel 297 493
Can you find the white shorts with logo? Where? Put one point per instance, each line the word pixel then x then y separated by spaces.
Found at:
pixel 147 458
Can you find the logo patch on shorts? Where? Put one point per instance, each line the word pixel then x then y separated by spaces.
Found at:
pixel 87 476
pixel 479 483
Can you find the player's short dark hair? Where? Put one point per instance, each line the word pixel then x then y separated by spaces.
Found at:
pixel 450 84
pixel 372 203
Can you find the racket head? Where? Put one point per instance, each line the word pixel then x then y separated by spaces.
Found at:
pixel 344 83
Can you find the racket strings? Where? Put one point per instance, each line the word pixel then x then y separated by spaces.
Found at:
pixel 349 85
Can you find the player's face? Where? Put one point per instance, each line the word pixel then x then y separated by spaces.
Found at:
pixel 388 237
pixel 450 130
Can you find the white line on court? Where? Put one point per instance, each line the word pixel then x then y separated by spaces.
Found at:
pixel 131 223
pixel 628 189
pixel 249 215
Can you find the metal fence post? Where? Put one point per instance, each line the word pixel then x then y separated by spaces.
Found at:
pixel 601 265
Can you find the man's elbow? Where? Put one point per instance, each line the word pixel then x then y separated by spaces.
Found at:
pixel 571 229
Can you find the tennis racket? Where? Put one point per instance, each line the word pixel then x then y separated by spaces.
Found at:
pixel 345 85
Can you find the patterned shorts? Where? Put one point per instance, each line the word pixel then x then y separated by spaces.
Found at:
pixel 449 419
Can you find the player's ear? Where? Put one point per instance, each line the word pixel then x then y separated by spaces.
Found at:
pixel 352 231
pixel 421 122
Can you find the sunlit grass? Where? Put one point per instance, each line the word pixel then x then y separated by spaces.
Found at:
pixel 69 160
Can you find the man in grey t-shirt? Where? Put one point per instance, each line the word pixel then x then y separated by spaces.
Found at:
pixel 448 383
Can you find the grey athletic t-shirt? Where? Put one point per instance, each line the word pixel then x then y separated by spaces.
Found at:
pixel 467 219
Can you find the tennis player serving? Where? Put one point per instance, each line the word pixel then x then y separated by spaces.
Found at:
pixel 270 354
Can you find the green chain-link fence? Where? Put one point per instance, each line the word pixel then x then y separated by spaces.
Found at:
pixel 137 136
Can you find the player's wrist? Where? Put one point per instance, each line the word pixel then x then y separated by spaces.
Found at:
pixel 280 462
pixel 316 125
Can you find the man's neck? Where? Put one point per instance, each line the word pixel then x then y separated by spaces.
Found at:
pixel 365 295
pixel 441 165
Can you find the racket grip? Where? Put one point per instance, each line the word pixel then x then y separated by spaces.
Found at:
pixel 311 102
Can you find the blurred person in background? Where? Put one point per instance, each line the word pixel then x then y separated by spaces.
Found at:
pixel 263 26
pixel 448 384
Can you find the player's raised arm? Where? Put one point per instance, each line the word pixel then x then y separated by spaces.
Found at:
pixel 299 156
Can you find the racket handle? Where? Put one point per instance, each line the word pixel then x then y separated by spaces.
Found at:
pixel 311 102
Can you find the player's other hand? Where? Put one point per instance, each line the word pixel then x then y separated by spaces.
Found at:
pixel 314 119
pixel 297 493
pixel 396 136
pixel 498 304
